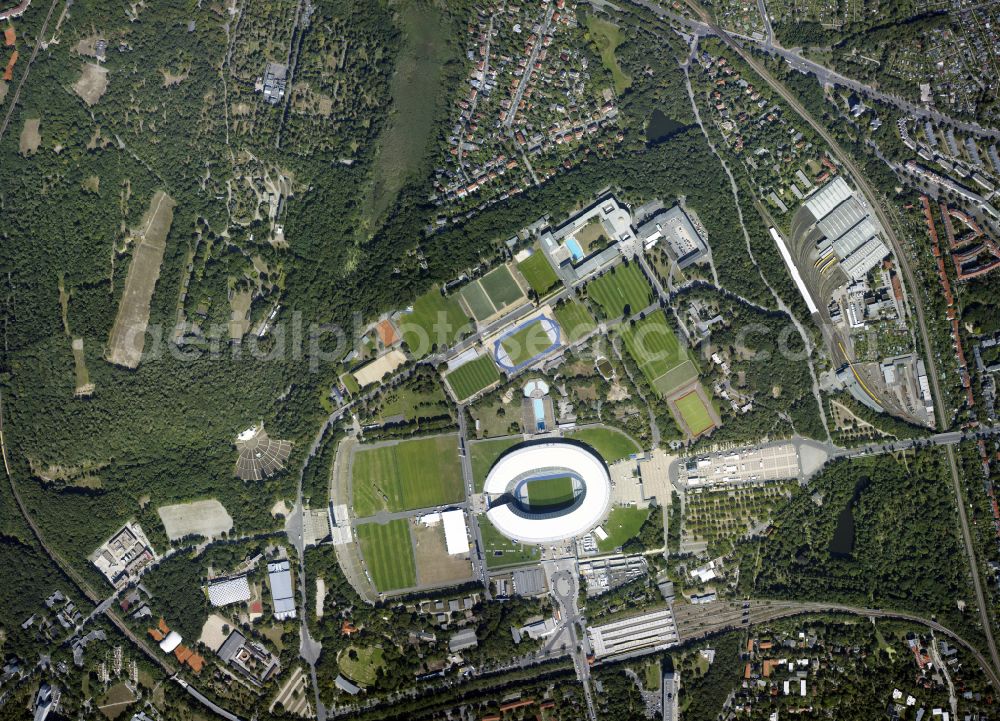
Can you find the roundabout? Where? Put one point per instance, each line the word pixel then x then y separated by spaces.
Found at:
pixel 548 491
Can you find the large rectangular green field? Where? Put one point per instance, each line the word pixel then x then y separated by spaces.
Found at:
pixel 624 285
pixel 623 523
pixel 654 347
pixel 469 379
pixel 526 343
pixel 611 443
pixel 435 320
pixel 479 304
pixel 501 287
pixel 500 551
pixel 537 270
pixel 574 319
pixel 483 454
pixel 694 412
pixel 545 492
pixel 420 473
pixel 388 553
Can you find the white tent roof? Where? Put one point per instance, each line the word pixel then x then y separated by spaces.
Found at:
pixel 456 534
pixel 172 641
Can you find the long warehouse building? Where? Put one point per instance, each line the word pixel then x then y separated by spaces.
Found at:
pixel 848 230
pixel 656 629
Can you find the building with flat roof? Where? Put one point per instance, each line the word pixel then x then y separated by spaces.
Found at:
pixel 456 533
pixel 225 591
pixel 847 229
pixel 253 662
pixel 656 629
pixel 510 483
pixel 466 638
pixel 674 227
pixel 279 575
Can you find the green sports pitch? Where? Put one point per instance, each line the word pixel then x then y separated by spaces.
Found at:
pixel 434 320
pixel 388 553
pixel 420 473
pixel 492 293
pixel 665 363
pixel 624 285
pixel 469 379
pixel 537 270
pixel 526 343
pixel 694 413
pixel 549 492
pixel 574 319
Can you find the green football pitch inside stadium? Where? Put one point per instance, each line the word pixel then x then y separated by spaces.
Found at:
pixel 548 492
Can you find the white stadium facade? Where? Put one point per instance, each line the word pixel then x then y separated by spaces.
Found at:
pixel 507 484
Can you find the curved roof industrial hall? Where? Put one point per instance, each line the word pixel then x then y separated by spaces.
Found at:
pixel 537 459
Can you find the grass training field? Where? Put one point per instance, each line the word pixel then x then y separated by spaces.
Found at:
pixel 537 270
pixel 388 553
pixel 694 412
pixel 624 285
pixel 436 319
pixel 469 379
pixel 526 343
pixel 362 665
pixel 607 37
pixel 500 551
pixel 411 474
pixel 492 293
pixel 483 454
pixel 128 334
pixel 546 492
pixel 574 319
pixel 478 302
pixel 623 523
pixel 665 363
pixel 612 444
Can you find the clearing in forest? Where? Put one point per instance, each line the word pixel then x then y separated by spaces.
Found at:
pixel 92 83
pixel 128 335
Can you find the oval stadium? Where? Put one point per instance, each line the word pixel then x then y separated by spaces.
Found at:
pixel 546 492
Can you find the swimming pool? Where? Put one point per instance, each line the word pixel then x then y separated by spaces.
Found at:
pixel 575 251
pixel 539 406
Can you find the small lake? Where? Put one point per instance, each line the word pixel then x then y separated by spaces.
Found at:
pixel 661 128
pixel 842 545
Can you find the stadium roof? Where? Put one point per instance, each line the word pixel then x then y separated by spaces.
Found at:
pixel 538 459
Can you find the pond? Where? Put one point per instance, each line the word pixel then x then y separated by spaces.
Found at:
pixel 842 545
pixel 661 128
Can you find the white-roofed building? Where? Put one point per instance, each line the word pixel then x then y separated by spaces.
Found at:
pixel 508 484
pixel 842 218
pixel 854 238
pixel 827 197
pixel 229 590
pixel 456 533
pixel 865 258
pixel 279 574
pixel 170 642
